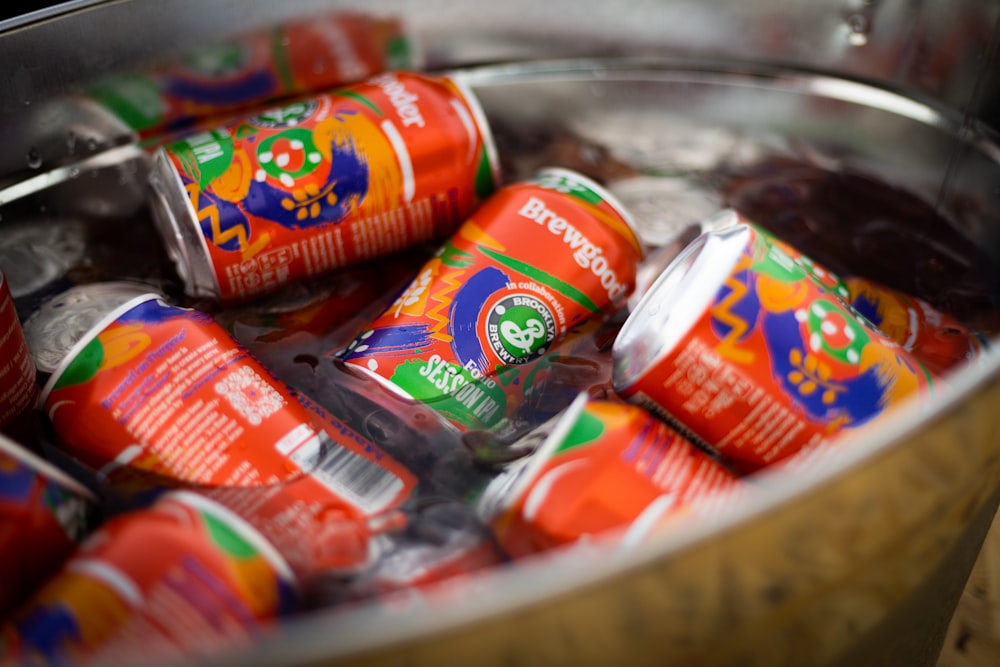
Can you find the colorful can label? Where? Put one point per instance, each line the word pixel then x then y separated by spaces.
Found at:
pixel 257 67
pixel 182 578
pixel 44 514
pixel 297 191
pixel 737 344
pixel 603 466
pixel 18 386
pixel 160 395
pixel 537 259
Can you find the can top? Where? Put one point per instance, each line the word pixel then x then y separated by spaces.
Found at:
pixel 507 487
pixel 235 523
pixel 675 302
pixel 573 182
pixel 44 468
pixel 65 320
pixel 35 253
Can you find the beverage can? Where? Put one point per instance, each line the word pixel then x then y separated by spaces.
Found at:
pixel 256 67
pixel 537 259
pixel 156 395
pixel 18 383
pixel 180 579
pixel 299 190
pixel 738 345
pixel 44 515
pixel 603 466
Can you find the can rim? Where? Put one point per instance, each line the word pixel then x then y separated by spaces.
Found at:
pixel 233 520
pixel 674 303
pixel 482 123
pixel 609 198
pixel 84 340
pixel 44 468
pixel 181 240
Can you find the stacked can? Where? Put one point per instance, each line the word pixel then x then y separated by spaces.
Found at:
pixel 292 58
pixel 181 579
pixel 300 190
pixel 539 258
pixel 44 514
pixel 604 466
pixel 18 387
pixel 737 344
pixel 154 395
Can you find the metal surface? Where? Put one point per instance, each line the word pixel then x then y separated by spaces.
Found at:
pixel 855 559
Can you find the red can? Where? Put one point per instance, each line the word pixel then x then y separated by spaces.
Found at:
pixel 18 387
pixel 539 258
pixel 44 514
pixel 322 183
pixel 603 466
pixel 181 579
pixel 737 344
pixel 158 395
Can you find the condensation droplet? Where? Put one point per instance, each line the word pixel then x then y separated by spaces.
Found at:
pixel 34 158
pixel 858 27
pixel 71 143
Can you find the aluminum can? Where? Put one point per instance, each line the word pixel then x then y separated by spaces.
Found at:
pixel 44 515
pixel 255 68
pixel 740 347
pixel 539 258
pixel 18 385
pixel 603 466
pixel 156 395
pixel 321 183
pixel 180 579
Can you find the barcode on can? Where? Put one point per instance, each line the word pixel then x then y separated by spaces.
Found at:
pixel 359 480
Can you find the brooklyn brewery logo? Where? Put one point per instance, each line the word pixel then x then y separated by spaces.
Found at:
pixel 520 328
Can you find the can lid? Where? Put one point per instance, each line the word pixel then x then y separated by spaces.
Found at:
pixel 507 487
pixel 675 302
pixel 65 320
pixel 44 468
pixel 573 182
pixel 177 223
pixel 237 524
pixel 37 252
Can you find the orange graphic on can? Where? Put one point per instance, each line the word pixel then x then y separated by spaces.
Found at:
pixel 537 259
pixel 739 345
pixel 160 395
pixel 44 514
pixel 300 190
pixel 604 466
pixel 183 578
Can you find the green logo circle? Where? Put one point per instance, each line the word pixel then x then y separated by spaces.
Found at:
pixel 520 328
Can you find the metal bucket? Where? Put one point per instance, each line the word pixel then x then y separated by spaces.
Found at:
pixel 857 559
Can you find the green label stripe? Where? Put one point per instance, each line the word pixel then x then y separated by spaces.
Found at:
pixel 544 278
pixel 484 177
pixel 360 98
pixel 586 429
pixel 84 365
pixel 280 59
pixel 228 539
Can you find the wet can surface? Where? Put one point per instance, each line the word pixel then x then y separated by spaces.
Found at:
pixel 156 395
pixel 604 466
pixel 44 514
pixel 297 191
pixel 737 344
pixel 259 66
pixel 18 388
pixel 539 258
pixel 179 579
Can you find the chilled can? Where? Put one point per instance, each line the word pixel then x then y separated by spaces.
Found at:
pixel 257 67
pixel 740 347
pixel 181 579
pixel 44 515
pixel 157 395
pixel 321 183
pixel 539 258
pixel 18 387
pixel 603 466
